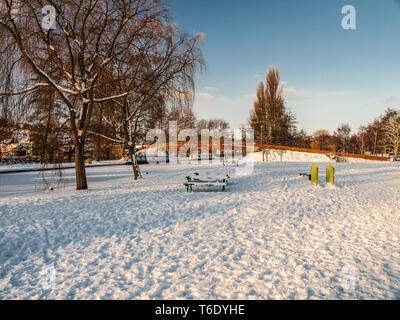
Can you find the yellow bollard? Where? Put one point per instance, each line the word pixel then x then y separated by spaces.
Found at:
pixel 330 175
pixel 314 174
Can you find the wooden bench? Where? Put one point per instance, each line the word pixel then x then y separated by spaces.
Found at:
pixel 206 181
pixel 231 163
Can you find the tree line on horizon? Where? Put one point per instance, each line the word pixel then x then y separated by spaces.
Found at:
pixel 274 124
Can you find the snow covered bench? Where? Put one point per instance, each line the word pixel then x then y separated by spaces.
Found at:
pixel 231 163
pixel 206 180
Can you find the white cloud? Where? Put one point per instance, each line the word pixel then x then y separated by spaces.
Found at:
pixel 332 94
pixel 206 100
pixel 247 98
pixel 294 94
pixel 201 36
pixel 392 101
pixel 204 96
pixel 212 89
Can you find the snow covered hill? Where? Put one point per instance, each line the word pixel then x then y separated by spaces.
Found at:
pixel 295 156
pixel 271 235
pixel 289 156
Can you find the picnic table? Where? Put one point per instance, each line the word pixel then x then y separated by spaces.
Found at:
pixel 231 163
pixel 206 180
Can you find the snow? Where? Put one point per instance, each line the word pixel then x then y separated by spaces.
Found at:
pixel 294 156
pixel 360 160
pixel 271 235
pixel 288 156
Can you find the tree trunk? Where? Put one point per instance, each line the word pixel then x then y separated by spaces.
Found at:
pixel 134 164
pixel 51 155
pixel 80 172
pixel 42 154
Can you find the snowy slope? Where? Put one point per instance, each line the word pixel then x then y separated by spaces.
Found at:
pixel 289 156
pixel 294 156
pixel 271 235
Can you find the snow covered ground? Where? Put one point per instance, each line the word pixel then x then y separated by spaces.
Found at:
pixel 290 156
pixel 271 235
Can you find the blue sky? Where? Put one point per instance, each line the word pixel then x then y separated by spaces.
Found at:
pixel 330 75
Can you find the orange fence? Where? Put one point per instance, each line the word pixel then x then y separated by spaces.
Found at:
pixel 362 156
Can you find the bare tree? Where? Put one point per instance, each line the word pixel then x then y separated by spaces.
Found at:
pixel 47 122
pixel 391 134
pixel 341 138
pixel 320 140
pixel 12 108
pixel 212 124
pixel 82 40
pixel 154 71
